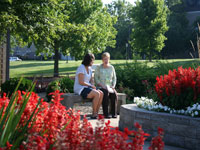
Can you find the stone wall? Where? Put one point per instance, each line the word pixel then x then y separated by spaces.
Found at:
pixel 181 131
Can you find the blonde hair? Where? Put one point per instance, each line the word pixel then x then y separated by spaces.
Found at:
pixel 105 54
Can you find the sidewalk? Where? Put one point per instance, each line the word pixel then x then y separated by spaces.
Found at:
pixel 115 122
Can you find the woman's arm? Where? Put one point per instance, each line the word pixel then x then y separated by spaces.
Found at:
pixel 114 78
pixel 82 82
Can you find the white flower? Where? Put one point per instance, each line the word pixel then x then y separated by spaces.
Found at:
pixel 160 106
pixel 186 112
pixel 136 99
pixel 194 106
pixel 196 113
pixel 151 100
pixel 189 109
pixel 192 114
pixel 165 108
pixel 149 104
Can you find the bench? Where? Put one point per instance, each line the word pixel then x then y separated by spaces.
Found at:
pixel 71 98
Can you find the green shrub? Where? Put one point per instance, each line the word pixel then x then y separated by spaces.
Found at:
pixel 132 75
pixel 162 67
pixel 129 92
pixel 65 85
pixel 138 79
pixel 9 86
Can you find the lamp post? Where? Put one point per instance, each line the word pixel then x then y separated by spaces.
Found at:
pixel 8 54
pixel 126 51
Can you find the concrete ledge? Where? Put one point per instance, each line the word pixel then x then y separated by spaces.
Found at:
pixel 71 98
pixel 181 131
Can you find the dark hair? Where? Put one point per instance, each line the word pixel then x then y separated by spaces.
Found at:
pixel 88 59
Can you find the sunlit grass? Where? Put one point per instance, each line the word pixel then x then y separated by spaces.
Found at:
pixel 46 68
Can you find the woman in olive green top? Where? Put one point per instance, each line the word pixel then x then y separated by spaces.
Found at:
pixel 105 79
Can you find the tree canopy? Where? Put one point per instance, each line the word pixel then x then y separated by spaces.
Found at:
pixel 121 9
pixel 178 35
pixel 150 25
pixel 67 26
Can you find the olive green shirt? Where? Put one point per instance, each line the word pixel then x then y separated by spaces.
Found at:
pixel 105 76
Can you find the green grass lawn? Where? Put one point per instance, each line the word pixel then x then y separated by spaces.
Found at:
pixel 32 68
pixel 37 68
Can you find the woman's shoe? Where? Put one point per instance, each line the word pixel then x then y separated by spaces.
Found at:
pixel 107 116
pixel 114 116
pixel 93 117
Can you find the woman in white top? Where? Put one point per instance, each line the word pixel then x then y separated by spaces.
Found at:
pixel 83 84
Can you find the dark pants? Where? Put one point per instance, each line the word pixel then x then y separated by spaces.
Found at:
pixel 113 102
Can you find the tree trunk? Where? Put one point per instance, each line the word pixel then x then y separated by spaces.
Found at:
pixel 67 59
pixel 8 54
pixel 56 59
pixel 150 56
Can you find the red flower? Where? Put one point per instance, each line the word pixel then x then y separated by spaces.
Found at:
pixel 54 127
pixel 9 146
pixel 175 84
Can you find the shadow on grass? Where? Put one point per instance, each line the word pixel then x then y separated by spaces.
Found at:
pixel 187 63
pixel 47 72
pixel 67 69
pixel 184 64
pixel 28 65
pixel 159 66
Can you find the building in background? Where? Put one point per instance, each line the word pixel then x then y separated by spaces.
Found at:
pixel 29 53
pixel 193 10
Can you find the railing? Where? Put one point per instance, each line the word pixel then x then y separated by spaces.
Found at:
pixel 42 80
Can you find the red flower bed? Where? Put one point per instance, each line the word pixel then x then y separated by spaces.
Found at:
pixel 54 127
pixel 180 88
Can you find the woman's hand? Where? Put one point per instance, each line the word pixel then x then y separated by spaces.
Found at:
pixel 94 87
pixel 102 86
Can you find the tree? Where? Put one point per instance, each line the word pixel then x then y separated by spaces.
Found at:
pixel 92 33
pixel 18 18
pixel 88 28
pixel 179 33
pixel 121 9
pixel 68 26
pixel 150 25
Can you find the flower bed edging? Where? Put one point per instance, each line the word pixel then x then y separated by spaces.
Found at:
pixel 181 131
